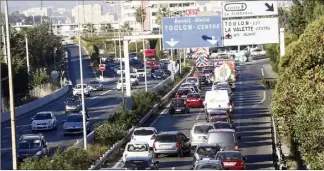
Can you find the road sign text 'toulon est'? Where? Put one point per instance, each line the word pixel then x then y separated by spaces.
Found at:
pixel 192 32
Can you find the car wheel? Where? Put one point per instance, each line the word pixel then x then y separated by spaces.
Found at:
pixel 156 155
pixel 180 154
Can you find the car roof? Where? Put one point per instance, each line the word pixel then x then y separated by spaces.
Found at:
pixel 137 142
pixel 138 158
pixel 222 122
pixel 202 123
pixel 204 161
pixel 31 136
pixel 145 128
pixel 168 133
pixel 221 130
pixel 44 112
pixel 207 145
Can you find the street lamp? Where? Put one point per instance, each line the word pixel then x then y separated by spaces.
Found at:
pixel 82 89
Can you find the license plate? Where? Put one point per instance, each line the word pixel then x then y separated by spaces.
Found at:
pixel 178 110
pixel 165 146
pixel 229 163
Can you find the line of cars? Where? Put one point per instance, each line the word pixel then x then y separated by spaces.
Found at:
pixel 213 143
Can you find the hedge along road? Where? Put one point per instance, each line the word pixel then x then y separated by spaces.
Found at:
pixel 250 117
pixel 101 105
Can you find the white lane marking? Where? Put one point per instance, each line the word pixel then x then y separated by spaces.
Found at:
pixel 262 71
pixel 19 126
pixel 104 93
pixel 198 115
pixel 118 163
pixel 173 168
pixel 263 99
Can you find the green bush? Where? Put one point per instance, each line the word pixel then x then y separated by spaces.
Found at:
pixel 109 133
pixel 144 101
pixel 126 117
pixel 269 83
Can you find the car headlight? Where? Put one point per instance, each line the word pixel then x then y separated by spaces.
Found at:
pixel 39 153
pixel 33 124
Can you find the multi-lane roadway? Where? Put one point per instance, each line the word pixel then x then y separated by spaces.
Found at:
pixel 101 105
pixel 250 117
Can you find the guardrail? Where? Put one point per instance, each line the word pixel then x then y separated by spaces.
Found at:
pixel 90 137
pixel 29 107
pixel 118 144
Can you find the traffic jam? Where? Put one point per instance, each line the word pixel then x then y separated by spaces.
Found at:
pixel 213 142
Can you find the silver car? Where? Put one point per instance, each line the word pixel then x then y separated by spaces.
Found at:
pixel 95 86
pixel 209 165
pixel 226 138
pixel 172 142
pixel 74 124
pixel 205 151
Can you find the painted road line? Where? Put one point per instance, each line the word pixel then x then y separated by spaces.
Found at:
pixel 262 71
pixel 100 94
pixel 173 168
pixel 264 94
pixel 20 126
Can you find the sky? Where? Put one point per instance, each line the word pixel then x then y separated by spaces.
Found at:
pixel 23 5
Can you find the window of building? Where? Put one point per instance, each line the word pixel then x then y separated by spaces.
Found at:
pixel 186 4
pixel 154 13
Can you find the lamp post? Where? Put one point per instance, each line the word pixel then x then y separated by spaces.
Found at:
pixel 82 89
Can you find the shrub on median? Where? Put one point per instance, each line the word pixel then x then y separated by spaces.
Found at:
pixel 110 132
pixel 144 101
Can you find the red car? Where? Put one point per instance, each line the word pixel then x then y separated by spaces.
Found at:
pixel 194 100
pixel 232 160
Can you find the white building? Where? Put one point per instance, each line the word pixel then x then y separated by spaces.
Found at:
pixel 45 11
pixel 88 14
pixel 127 14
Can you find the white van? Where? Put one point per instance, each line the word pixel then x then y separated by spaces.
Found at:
pixel 217 99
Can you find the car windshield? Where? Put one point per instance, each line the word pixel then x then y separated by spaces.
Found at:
pixel 79 86
pixel 209 67
pixel 178 102
pixel 29 144
pixel 222 137
pixel 191 80
pixel 143 132
pixel 166 138
pixel 222 125
pixel 140 70
pixel 137 148
pixel 159 73
pixel 209 166
pixel 121 81
pixel 207 150
pixel 136 164
pixel 150 59
pixel 200 68
pixel 202 129
pixel 183 92
pixel 202 77
pixel 208 71
pixel 133 76
pixel 43 116
pixel 229 156
pixel 74 118
pixel 193 96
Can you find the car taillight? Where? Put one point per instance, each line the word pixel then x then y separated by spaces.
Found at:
pixel 153 137
pixel 239 164
pixel 132 137
pixel 178 144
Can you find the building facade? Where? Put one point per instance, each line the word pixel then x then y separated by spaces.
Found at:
pixel 88 14
pixel 45 11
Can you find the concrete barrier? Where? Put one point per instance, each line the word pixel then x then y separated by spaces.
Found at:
pixel 29 107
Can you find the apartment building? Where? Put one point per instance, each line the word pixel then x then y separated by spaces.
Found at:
pixel 45 11
pixel 88 14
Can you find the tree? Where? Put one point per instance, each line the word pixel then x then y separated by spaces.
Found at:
pixel 89 28
pixel 126 28
pixel 162 12
pixel 105 28
pixel 298 97
pixel 140 16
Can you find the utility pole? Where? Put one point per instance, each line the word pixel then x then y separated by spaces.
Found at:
pixel 120 57
pixel 27 54
pixel 82 89
pixel 144 56
pixel 4 43
pixel 11 93
pixel 41 11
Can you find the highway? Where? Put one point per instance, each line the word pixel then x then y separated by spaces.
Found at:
pixel 250 116
pixel 101 105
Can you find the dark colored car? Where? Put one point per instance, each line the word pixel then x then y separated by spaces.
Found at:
pixel 140 163
pixel 204 151
pixel 171 142
pixel 31 145
pixel 159 74
pixel 203 80
pixel 178 105
pixel 167 72
pixel 73 105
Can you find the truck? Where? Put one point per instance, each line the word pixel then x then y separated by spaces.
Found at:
pixel 225 70
pixel 151 59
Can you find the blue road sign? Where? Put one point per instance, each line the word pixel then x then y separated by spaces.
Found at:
pixel 192 32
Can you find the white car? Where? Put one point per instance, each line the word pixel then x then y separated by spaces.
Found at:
pixel 119 71
pixel 119 84
pixel 134 79
pixel 258 52
pixel 77 90
pixel 191 86
pixel 43 121
pixel 193 80
pixel 137 149
pixel 146 134
pixel 140 72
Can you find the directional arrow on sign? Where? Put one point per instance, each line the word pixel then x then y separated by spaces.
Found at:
pixel 172 42
pixel 269 7
pixel 213 40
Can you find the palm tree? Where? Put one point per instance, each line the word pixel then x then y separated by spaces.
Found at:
pixel 140 16
pixel 89 28
pixel 105 28
pixel 126 28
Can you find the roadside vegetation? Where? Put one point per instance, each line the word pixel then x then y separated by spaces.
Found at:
pixel 106 134
pixel 298 101
pixel 46 54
